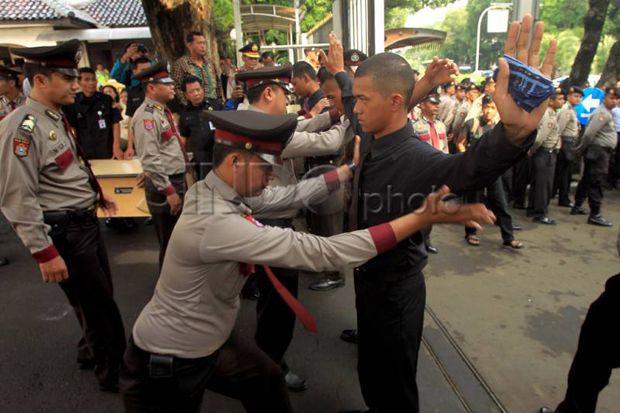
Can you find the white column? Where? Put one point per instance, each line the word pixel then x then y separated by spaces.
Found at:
pixel 238 29
pixel 379 24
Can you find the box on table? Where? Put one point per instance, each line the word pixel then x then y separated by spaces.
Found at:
pixel 118 179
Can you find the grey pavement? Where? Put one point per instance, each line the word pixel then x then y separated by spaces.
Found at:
pixel 501 326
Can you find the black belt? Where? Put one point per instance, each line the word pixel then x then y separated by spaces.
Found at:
pixel 177 176
pixel 549 150
pixel 64 217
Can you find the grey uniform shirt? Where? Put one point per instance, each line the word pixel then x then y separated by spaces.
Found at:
pixel 445 103
pixel 600 130
pixel 460 116
pixel 39 171
pixel 196 300
pixel 7 106
pixel 157 145
pixel 568 125
pixel 548 136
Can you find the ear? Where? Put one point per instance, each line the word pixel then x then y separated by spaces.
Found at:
pixel 268 94
pixel 398 102
pixel 40 79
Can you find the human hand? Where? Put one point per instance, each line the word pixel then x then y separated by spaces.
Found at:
pixel 435 211
pixel 175 203
pixel 334 61
pixel 54 270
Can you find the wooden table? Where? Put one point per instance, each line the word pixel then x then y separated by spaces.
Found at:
pixel 118 180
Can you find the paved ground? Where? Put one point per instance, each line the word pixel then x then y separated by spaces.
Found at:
pixel 511 317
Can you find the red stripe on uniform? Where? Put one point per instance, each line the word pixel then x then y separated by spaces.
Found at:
pixel 233 137
pixel 383 237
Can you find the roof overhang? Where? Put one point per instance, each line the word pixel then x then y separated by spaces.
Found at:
pixel 97 35
pixel 257 18
pixel 411 37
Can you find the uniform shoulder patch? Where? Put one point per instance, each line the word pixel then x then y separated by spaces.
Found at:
pixel 149 124
pixel 52 115
pixel 28 123
pixel 4 100
pixel 21 146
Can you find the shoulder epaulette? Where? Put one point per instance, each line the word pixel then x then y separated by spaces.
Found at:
pixel 28 123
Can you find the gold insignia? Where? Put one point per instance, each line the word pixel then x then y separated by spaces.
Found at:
pixel 254 48
pixel 28 124
pixel 159 107
pixel 53 115
pixel 248 146
pixel 52 136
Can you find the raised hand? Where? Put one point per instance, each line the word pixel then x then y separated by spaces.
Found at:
pixel 440 71
pixel 518 123
pixel 334 61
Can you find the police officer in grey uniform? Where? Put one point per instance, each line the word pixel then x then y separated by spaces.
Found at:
pixel 49 195
pixel 596 145
pixel 10 96
pixel 159 148
pixel 266 89
pixel 184 339
pixel 568 127
pixel 544 155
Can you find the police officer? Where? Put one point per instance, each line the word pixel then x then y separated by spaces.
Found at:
pixel 471 95
pixel 10 95
pixel 596 145
pixel 184 339
pixel 446 98
pixel 250 53
pixel 49 195
pixel 95 119
pixel 544 154
pixel 194 126
pixel 159 148
pixel 568 127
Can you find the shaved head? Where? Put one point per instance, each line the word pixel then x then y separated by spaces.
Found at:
pixel 390 74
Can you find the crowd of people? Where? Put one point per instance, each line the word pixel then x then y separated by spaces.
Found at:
pixel 381 152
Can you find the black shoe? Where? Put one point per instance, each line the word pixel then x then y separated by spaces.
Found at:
pixel 148 221
pixel 327 283
pixel 544 220
pixel 516 227
pixel 294 382
pixel 566 204
pixel 350 336
pixel 578 210
pixel 518 206
pixel 3 261
pixel 599 220
pixel 431 249
pixel 86 364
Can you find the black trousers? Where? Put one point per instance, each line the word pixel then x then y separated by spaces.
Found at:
pixel 275 320
pixel 542 182
pixel 596 162
pixel 563 172
pixel 165 384
pixel 597 354
pixel 522 178
pixel 163 220
pixel 390 318
pixel 497 202
pixel 90 292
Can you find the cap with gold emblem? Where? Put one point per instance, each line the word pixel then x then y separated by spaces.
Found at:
pixel 260 133
pixel 157 73
pixel 612 91
pixel 251 50
pixel 63 58
pixel 575 89
pixel 6 73
pixel 353 57
pixel 277 75
pixel 432 97
pixel 558 91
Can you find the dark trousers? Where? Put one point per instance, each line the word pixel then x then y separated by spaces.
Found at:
pixel 163 220
pixel 496 201
pixel 522 178
pixel 595 161
pixel 390 318
pixel 614 171
pixel 563 172
pixel 542 182
pixel 597 354
pixel 90 292
pixel 275 319
pixel 165 384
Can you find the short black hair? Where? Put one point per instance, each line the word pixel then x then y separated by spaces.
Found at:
pixel 265 55
pixel 390 73
pixel 324 75
pixel 140 60
pixel 190 36
pixel 486 99
pixel 188 80
pixel 90 70
pixel 127 45
pixel 253 94
pixel 31 69
pixel 304 68
pixel 116 97
pixel 221 151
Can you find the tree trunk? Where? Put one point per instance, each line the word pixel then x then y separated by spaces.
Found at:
pixel 171 20
pixel 611 73
pixel 593 27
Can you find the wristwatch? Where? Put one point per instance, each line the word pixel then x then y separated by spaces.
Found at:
pixel 352 166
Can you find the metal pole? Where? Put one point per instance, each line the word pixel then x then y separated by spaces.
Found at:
pixel 238 29
pixel 297 28
pixel 379 25
pixel 478 37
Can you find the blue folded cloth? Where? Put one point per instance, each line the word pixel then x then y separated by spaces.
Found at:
pixel 527 86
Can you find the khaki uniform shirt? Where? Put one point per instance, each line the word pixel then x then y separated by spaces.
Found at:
pixel 196 300
pixel 7 106
pixel 568 125
pixel 157 144
pixel 422 128
pixel 39 171
pixel 600 130
pixel 459 118
pixel 548 136
pixel 445 103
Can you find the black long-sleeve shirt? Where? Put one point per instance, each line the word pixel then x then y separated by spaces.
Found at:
pixel 398 172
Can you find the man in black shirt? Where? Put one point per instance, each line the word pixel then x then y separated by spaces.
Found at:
pixel 95 120
pixel 194 126
pixel 394 174
pixel 306 84
pixel 135 97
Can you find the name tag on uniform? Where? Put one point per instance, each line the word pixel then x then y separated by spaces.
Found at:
pixel 102 124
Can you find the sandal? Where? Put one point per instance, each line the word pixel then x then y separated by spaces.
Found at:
pixel 514 244
pixel 472 240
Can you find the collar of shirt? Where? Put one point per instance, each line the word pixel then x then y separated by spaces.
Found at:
pixel 383 145
pixel 53 115
pixel 216 183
